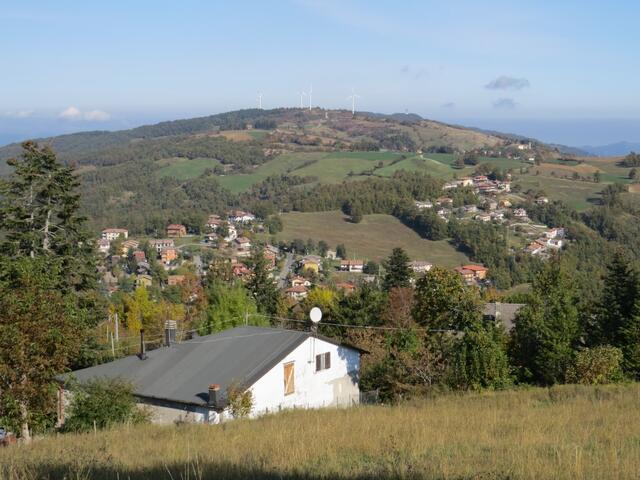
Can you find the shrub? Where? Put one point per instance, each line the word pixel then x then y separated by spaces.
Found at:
pixel 595 366
pixel 240 400
pixel 103 403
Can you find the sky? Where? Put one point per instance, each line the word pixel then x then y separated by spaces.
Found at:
pixel 564 72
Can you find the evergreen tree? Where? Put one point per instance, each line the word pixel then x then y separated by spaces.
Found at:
pixel 618 302
pixel 398 272
pixel 547 331
pixel 39 214
pixel 261 284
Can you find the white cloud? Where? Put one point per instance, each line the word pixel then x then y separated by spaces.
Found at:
pixel 97 116
pixel 71 113
pixel 19 114
pixel 74 113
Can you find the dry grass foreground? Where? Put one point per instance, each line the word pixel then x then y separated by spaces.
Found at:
pixel 565 432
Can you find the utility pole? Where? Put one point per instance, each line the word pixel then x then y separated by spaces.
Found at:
pixel 113 347
pixel 115 318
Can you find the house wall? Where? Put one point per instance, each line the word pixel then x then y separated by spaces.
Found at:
pixel 336 386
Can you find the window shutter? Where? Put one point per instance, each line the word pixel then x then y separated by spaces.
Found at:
pixel 318 363
pixel 327 360
pixel 289 386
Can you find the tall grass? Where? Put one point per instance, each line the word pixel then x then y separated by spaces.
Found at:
pixel 560 433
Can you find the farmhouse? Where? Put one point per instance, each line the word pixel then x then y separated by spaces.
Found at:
pixel 168 255
pixel 161 243
pixel 297 292
pixel 240 216
pixel 352 266
pixel 242 244
pixel 114 233
pixel 420 205
pixel 214 222
pixel 188 381
pixel 176 230
pixel 129 245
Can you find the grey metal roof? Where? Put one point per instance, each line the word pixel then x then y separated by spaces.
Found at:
pixel 505 313
pixel 183 372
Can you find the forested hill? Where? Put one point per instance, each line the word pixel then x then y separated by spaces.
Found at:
pixel 289 128
pixel 182 170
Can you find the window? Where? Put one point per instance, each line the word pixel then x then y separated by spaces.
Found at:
pixel 323 361
pixel 289 376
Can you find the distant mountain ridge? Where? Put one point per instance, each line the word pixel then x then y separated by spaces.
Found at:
pixel 617 149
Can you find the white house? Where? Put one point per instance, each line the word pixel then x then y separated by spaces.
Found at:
pixel 232 234
pixel 104 245
pixel 240 216
pixel 114 233
pixel 162 243
pixel 188 381
pixel 426 204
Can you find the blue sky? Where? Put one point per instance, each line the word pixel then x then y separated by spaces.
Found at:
pixel 76 65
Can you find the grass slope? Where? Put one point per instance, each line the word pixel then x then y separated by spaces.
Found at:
pixel 371 239
pixel 566 432
pixel 184 168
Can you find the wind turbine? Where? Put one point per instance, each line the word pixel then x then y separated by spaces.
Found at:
pixel 302 94
pixel 310 92
pixel 260 100
pixel 353 97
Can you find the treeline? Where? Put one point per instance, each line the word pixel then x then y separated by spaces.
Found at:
pixel 237 154
pixel 631 160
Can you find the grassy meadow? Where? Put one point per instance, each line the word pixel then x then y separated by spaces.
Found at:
pixel 566 432
pixel 371 239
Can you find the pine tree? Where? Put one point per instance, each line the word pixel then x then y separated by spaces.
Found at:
pixel 547 331
pixel 398 272
pixel 39 214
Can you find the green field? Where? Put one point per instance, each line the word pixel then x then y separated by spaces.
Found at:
pixel 184 169
pixel 563 432
pixel 577 194
pixel 371 239
pixel 331 167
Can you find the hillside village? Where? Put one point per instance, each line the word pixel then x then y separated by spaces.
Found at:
pixel 297 267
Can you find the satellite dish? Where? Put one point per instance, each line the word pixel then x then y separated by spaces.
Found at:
pixel 315 314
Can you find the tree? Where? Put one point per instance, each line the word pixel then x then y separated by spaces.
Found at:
pixel 323 248
pixel 39 214
pixel 341 251
pixel 371 268
pixel 546 330
pixel 229 306
pixel 261 285
pixel 41 330
pixel 356 216
pixel 398 272
pixel 444 302
pixel 480 359
pixel 597 176
pixel 633 174
pixel 48 296
pixel 617 304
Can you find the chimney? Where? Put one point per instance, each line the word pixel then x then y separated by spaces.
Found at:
pixel 143 351
pixel 214 394
pixel 170 328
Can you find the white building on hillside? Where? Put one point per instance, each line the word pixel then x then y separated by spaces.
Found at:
pixel 188 381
